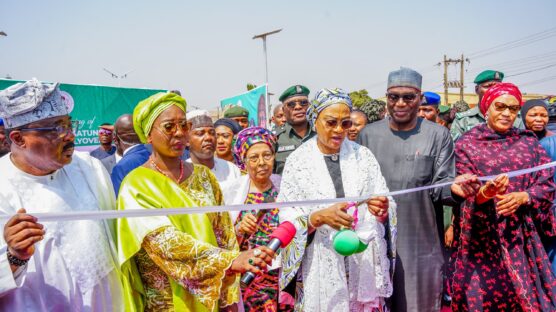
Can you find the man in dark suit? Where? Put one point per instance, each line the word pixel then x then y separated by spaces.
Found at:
pixel 134 153
pixel 110 161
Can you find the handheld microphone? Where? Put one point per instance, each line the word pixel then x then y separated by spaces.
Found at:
pixel 280 238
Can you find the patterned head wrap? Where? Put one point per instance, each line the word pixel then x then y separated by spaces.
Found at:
pixel 497 90
pixel 249 137
pixel 325 98
pixel 150 108
pixel 30 101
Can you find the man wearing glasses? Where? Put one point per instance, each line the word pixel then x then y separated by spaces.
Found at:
pixel 413 152
pixel 105 137
pixel 291 135
pixel 65 266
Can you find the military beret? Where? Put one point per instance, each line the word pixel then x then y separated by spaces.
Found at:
pixel 443 109
pixel 236 111
pixel 489 75
pixel 294 91
pixel 430 98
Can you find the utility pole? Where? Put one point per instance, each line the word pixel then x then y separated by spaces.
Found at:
pixel 461 79
pixel 445 81
pixel 263 37
pixel 454 83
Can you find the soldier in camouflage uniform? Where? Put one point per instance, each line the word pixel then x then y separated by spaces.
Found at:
pixel 374 109
pixel 469 119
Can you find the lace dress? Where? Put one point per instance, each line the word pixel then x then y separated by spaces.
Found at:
pixel 323 283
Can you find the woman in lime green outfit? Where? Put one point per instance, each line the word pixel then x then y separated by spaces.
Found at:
pixel 186 262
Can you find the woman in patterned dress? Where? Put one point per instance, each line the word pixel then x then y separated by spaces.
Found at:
pixel 500 263
pixel 187 262
pixel 254 152
pixel 330 166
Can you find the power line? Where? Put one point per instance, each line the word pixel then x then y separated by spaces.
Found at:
pixel 515 43
pixel 532 70
pixel 534 82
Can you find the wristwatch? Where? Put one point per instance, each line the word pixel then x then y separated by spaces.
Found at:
pixel 15 260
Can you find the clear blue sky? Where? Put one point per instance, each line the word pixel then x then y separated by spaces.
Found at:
pixel 204 48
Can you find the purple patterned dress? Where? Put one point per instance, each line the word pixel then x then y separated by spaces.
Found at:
pixel 262 294
pixel 500 263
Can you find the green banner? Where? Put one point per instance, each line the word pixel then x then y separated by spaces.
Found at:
pixel 94 105
pixel 254 101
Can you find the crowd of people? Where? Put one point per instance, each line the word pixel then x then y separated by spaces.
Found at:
pixel 469 244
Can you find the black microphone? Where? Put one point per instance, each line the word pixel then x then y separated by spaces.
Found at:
pixel 281 237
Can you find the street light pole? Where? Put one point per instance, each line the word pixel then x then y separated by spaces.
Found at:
pixel 263 37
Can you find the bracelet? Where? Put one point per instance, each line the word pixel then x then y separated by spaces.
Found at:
pixel 15 260
pixel 309 220
pixel 482 192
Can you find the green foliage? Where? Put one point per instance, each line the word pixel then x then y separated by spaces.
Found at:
pixel 359 98
pixel 251 86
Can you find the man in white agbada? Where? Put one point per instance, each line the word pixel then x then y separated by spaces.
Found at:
pixel 202 145
pixel 55 266
pixel 329 166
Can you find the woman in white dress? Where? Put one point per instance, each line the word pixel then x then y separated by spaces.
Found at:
pixel 329 166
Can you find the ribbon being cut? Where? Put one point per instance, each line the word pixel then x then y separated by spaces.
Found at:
pixel 101 215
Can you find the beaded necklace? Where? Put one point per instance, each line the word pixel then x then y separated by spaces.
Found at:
pixel 160 170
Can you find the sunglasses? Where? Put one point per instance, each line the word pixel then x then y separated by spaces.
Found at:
pixel 301 103
pixel 500 107
pixel 345 124
pixel 61 131
pixel 407 97
pixel 170 128
pixel 104 131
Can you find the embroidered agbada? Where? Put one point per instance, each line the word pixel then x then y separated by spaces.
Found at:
pixel 324 285
pixel 500 263
pixel 176 262
pixel 74 267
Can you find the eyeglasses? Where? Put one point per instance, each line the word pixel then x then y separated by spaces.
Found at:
pixel 105 132
pixel 170 128
pixel 407 97
pixel 301 103
pixel 61 131
pixel 345 124
pixel 500 107
pixel 254 159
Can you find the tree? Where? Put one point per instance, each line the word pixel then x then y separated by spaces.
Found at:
pixel 360 97
pixel 251 86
